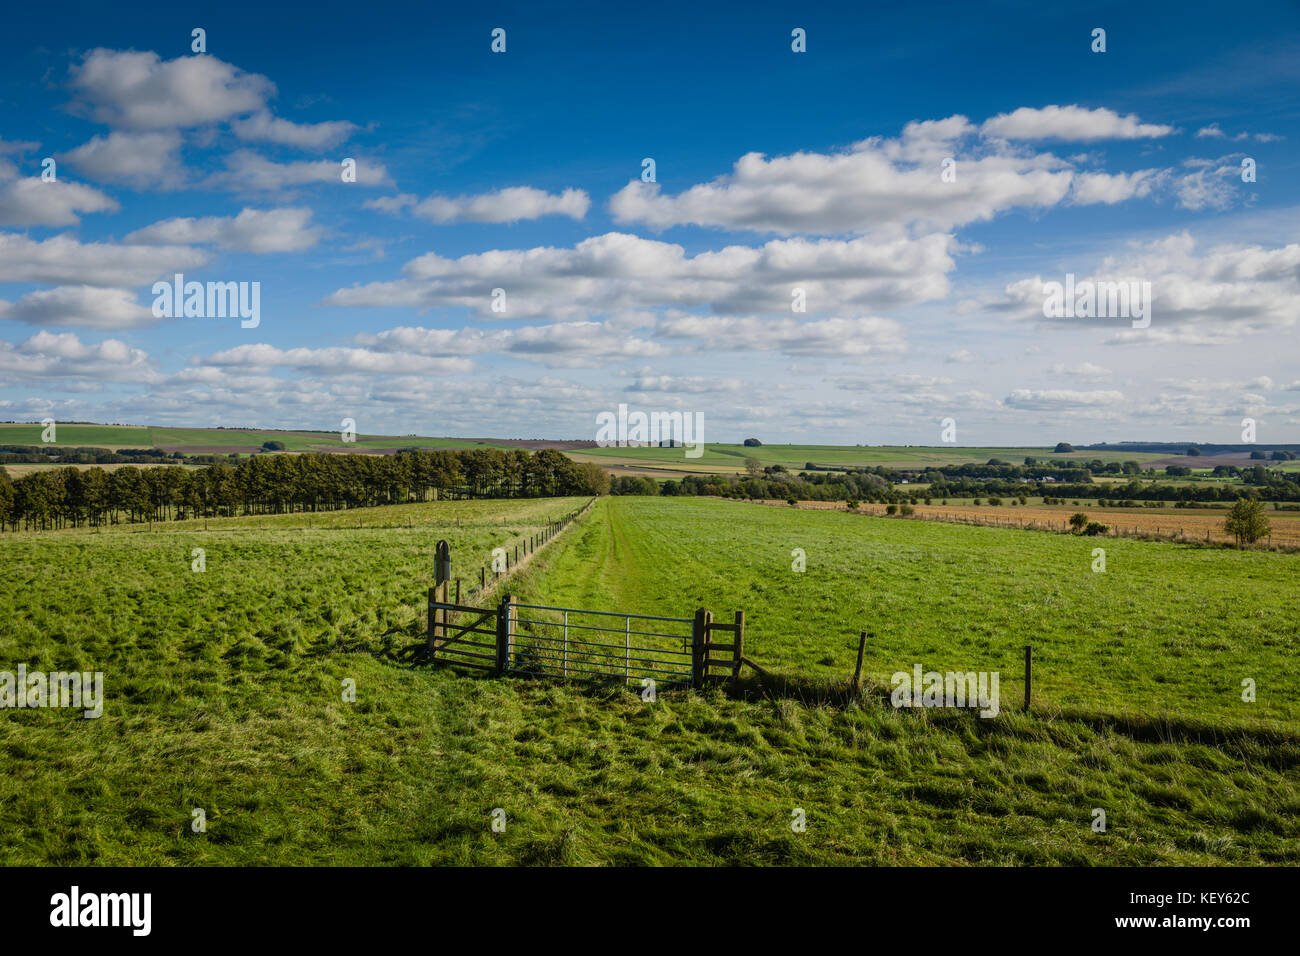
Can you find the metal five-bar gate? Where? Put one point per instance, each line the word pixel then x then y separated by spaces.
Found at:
pixel 541 640
pixel 569 642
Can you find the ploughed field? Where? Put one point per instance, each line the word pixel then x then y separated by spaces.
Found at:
pixel 223 691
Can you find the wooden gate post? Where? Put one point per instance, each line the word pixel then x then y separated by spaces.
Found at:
pixel 739 645
pixel 440 592
pixel 505 633
pixel 699 646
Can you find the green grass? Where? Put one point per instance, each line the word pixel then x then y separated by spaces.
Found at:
pixel 224 692
pixel 223 439
pixel 730 459
pixel 98 436
pixel 1166 629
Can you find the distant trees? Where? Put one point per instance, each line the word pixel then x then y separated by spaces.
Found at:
pixel 752 443
pixel 272 446
pixel 633 485
pixel 276 484
pixel 1063 448
pixel 1193 452
pixel 1246 521
pixel 753 467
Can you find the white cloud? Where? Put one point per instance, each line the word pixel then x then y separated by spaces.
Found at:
pixel 1106 188
pixel 828 337
pixel 504 205
pixel 334 360
pixel 247 170
pixel 1059 399
pixel 1072 123
pixel 62 260
pixel 877 184
pixel 1224 291
pixel 33 202
pixel 558 345
pixel 619 271
pixel 62 355
pixel 140 91
pixel 262 127
pixel 1210 183
pixel 1084 370
pixel 87 306
pixel 253 230
pixel 141 160
pixel 882 183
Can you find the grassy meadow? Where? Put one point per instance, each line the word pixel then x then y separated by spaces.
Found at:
pixel 224 692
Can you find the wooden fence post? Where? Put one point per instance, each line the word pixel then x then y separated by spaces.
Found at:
pixel 1029 674
pixel 740 644
pixel 857 671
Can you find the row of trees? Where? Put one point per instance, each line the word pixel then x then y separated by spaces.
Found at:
pixel 276 484
pixel 871 487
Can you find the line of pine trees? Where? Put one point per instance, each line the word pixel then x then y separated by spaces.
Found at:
pixel 279 484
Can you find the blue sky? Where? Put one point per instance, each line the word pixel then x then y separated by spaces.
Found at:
pixel 775 170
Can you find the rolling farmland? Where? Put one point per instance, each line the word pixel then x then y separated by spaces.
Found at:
pixel 223 691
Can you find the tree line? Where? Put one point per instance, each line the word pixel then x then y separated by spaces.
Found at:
pixel 279 484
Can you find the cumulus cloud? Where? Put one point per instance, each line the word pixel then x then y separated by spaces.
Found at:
pixel 1060 399
pixel 140 160
pixel 1075 124
pixel 619 271
pixel 557 345
pixel 33 202
pixel 49 355
pixel 141 91
pixel 246 170
pixel 1084 370
pixel 82 305
pixel 505 205
pixel 336 360
pixel 262 127
pixel 62 260
pixel 881 182
pixel 1093 188
pixel 1224 291
pixel 253 230
pixel 825 337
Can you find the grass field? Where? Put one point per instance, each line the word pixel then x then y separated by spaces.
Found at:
pixel 660 462
pixel 219 440
pixel 224 692
pixel 1194 525
pixel 730 459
